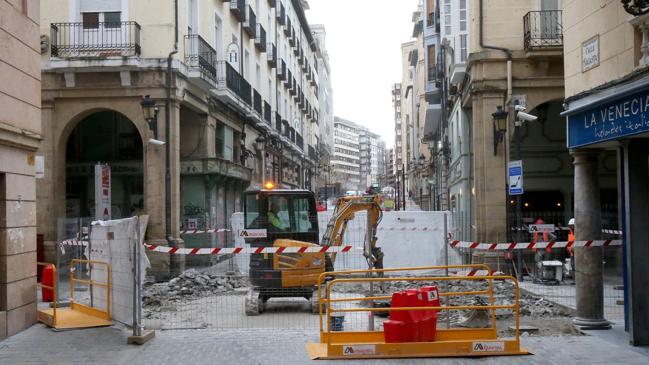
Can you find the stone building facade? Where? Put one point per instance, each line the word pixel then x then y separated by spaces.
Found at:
pixel 20 135
pixel 235 84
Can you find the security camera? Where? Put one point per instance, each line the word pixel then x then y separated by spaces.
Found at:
pixel 156 142
pixel 519 108
pixel 526 117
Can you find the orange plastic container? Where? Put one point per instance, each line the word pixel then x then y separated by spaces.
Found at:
pixel 47 279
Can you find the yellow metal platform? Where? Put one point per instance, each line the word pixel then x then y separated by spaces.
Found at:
pixel 449 343
pixel 76 316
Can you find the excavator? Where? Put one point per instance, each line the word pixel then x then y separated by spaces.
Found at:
pixel 288 218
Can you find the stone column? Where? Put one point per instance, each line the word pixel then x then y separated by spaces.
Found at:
pixel 588 260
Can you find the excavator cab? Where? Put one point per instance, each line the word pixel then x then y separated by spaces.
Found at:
pixel 288 218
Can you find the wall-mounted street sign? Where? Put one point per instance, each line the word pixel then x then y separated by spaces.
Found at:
pixel 609 120
pixel 515 173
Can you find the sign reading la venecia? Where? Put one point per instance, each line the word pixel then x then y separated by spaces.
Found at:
pixel 590 54
pixel 619 118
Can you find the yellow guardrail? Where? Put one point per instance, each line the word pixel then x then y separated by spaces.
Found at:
pixel 328 299
pixel 52 287
pixel 91 282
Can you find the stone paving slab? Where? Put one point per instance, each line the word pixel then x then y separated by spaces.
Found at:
pixel 40 345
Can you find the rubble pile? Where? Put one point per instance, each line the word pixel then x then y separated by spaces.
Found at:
pixel 190 285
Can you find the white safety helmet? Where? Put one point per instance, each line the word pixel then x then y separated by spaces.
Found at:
pixel 571 222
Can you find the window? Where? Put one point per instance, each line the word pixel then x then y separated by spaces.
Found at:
pixel 225 142
pixel 252 211
pixel 258 77
pixel 463 49
pixel 192 15
pixel 246 67
pixel 462 15
pixel 112 19
pixel 447 17
pixel 431 63
pixel 302 215
pixel 218 34
pixel 90 20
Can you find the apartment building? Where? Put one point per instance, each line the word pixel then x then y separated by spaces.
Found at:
pixel 372 158
pixel 345 162
pixel 606 61
pixel 390 164
pixel 232 90
pixel 20 134
pixel 325 146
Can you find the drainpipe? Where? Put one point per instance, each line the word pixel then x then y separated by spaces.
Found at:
pixel 170 239
pixel 503 49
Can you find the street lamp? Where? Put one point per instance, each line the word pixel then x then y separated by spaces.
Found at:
pixel 150 111
pixel 499 126
pixel 260 144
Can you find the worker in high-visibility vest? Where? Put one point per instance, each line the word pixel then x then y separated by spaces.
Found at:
pixel 274 219
pixel 571 238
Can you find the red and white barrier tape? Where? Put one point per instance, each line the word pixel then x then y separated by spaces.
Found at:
pixel 245 250
pixel 73 242
pixel 201 231
pixel 532 245
pixel 563 228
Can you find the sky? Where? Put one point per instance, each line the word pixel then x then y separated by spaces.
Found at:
pixel 364 40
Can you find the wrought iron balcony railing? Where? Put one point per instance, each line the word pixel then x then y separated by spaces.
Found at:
pixel 280 14
pixel 282 71
pixel 95 40
pixel 542 30
pixel 250 23
pixel 287 27
pixel 289 78
pixel 228 77
pixel 268 114
pixel 260 39
pixel 312 153
pixel 257 102
pixel 200 55
pixel 299 141
pixel 271 54
pixel 278 122
pixel 238 9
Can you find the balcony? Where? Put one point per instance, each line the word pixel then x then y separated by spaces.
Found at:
pixel 238 9
pixel 250 23
pixel 280 14
pixel 278 122
pixel 200 57
pixel 296 97
pixel 282 71
pixel 260 40
pixel 95 40
pixel 289 79
pixel 312 153
pixel 257 104
pixel 231 85
pixel 215 166
pixel 308 72
pixel 291 134
pixel 268 114
pixel 293 87
pixel 299 141
pixel 271 54
pixel 543 30
pixel 291 37
pixel 296 50
pixel 287 27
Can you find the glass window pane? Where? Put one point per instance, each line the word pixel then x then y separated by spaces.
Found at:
pixel 90 20
pixel 112 19
pixel 252 212
pixel 301 211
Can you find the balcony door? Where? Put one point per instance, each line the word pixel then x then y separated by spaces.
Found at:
pixel 102 31
pixel 549 22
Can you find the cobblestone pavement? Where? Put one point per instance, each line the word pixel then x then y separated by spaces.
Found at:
pixel 39 345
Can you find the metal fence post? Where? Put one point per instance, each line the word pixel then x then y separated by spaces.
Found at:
pixel 137 310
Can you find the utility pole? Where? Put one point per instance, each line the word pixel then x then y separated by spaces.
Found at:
pixel 519 256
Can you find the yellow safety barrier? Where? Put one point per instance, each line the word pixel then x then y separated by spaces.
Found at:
pixel 449 342
pixel 78 315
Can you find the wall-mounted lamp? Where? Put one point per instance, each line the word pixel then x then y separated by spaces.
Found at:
pixel 499 126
